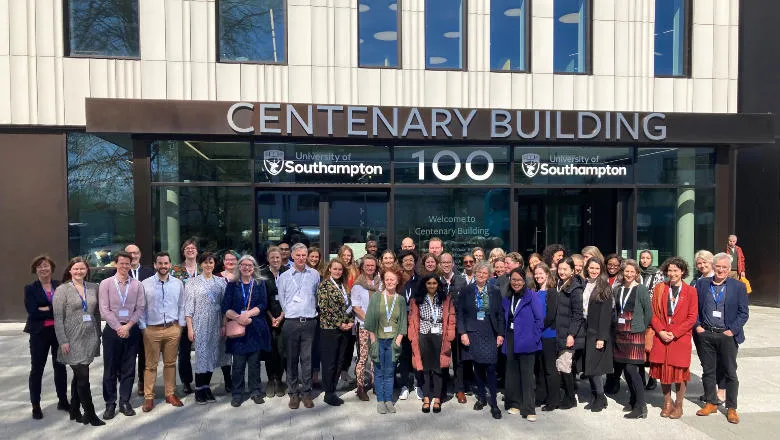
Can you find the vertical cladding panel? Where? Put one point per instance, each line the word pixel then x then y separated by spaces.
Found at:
pixel 211 31
pixel 20 96
pixel 59 90
pixel 44 28
pixel 200 81
pixel 733 52
pixel 734 12
pixel 5 89
pixel 702 95
pixel 174 10
pixel 720 68
pixel 17 17
pixel 5 30
pixel 319 84
pixel 211 71
pixel 98 77
pixel 722 11
pixel 435 88
pixel 228 82
pixel 321 41
pixel 369 83
pixel 622 55
pixel 703 51
pixel 343 44
pixel 542 44
pixel 46 90
pixel 681 94
pixel 604 10
pixel 582 92
pixel 563 92
pixel 134 69
pixel 603 93
pixel 343 84
pixel 153 84
pixel 621 93
pixel 720 95
pixel 174 80
pixel 732 95
pixel 299 52
pixel 111 78
pixel 186 31
pixel 300 83
pixel 543 90
pixel 703 12
pixel 151 20
pixel 521 92
pixel 121 80
pixel 542 8
pixel 249 82
pixel 389 87
pixel 59 30
pixel 604 58
pixel 199 40
pixel 76 77
pixel 663 95
pixel 500 90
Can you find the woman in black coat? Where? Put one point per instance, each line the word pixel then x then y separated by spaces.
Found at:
pixel 569 327
pixel 40 325
pixel 598 339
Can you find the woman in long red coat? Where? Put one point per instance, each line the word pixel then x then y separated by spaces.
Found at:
pixel 675 309
pixel 431 330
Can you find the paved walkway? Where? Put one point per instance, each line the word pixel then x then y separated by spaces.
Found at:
pixel 759 400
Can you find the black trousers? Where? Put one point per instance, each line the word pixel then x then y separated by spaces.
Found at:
pixel 41 344
pixel 485 374
pixel 464 371
pixel 719 376
pixel 548 379
pixel 298 340
pixel 141 365
pixel 333 350
pixel 636 385
pixel 719 349
pixel 274 359
pixel 119 364
pixel 405 365
pixel 434 383
pixel 202 380
pixel 349 351
pixel 185 365
pixel 249 362
pixel 80 391
pixel 519 383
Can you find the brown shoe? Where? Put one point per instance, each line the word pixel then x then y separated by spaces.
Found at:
pixel 307 402
pixel 173 400
pixel 362 394
pixel 461 397
pixel 707 410
pixel 668 407
pixel 732 416
pixel 295 401
pixel 677 409
pixel 148 405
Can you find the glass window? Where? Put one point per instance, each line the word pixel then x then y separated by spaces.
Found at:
pixel 195 161
pixel 252 30
pixel 312 163
pixel 378 23
pixel 477 165
pixel 573 165
pixel 290 216
pixel 100 198
pixel 571 36
pixel 509 35
pixel 356 217
pixel 218 218
pixel 684 166
pixel 671 37
pixel 102 28
pixel 462 217
pixel 445 32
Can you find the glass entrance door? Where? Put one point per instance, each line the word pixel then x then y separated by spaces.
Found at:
pixel 323 218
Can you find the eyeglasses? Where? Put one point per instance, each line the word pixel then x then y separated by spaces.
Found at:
pixel 613 265
pixel 247 266
pixel 467 262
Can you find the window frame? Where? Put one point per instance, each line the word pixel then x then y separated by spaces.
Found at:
pixel 464 37
pixel 588 43
pixel 687 45
pixel 399 35
pixel 218 40
pixel 68 50
pixel 528 46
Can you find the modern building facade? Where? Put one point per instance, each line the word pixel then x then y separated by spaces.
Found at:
pixel 493 123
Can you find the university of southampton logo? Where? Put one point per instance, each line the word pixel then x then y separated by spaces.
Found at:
pixel 273 160
pixel 530 164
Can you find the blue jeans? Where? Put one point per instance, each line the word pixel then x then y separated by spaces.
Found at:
pixel 384 371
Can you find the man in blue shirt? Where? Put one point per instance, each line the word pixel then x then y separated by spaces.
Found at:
pixel 161 324
pixel 723 312
pixel 298 297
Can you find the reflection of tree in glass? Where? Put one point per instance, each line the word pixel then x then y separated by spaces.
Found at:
pixel 251 30
pixel 104 27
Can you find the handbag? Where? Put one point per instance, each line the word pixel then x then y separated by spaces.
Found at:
pixel 747 284
pixel 233 328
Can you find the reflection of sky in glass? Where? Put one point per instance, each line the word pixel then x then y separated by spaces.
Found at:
pixel 507 34
pixel 252 30
pixel 378 33
pixel 444 28
pixel 669 37
pixel 570 43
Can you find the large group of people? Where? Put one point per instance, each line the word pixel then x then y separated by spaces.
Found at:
pixel 408 320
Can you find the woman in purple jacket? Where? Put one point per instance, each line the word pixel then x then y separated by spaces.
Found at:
pixel 523 339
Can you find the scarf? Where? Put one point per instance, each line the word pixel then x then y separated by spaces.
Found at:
pixel 363 282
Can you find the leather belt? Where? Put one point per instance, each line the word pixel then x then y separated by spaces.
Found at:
pixel 712 329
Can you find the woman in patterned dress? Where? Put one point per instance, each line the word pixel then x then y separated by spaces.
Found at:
pixel 203 311
pixel 634 314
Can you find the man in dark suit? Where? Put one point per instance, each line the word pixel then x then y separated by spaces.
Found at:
pixel 140 273
pixel 723 312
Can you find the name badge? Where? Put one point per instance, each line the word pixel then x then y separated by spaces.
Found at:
pixel 388 329
pixel 436 329
pixel 297 299
pixel 621 320
pixel 511 326
pixel 124 313
pixel 480 316
pixel 86 318
pixel 717 313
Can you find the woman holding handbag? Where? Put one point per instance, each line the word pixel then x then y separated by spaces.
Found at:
pixel 675 310
pixel 244 305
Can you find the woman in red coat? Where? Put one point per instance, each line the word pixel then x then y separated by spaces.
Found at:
pixel 675 309
pixel 431 330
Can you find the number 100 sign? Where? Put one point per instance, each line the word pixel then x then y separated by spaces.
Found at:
pixel 420 156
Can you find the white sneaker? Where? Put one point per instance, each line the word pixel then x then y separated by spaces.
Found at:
pixel 419 393
pixel 513 411
pixel 531 417
pixel 404 393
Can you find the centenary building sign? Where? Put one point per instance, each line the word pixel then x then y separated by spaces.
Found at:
pixel 441 123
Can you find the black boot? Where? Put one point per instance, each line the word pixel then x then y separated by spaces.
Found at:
pixel 75 404
pixel 639 412
pixel 592 402
pixel 569 400
pixel 599 403
pixel 90 418
pixel 37 414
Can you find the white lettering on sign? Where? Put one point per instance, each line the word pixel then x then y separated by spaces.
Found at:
pixel 436 163
pixel 575 165
pixel 274 164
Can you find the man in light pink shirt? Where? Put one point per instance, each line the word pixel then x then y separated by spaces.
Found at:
pixel 122 303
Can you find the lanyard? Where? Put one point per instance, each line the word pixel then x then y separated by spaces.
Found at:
pixel 244 292
pixel 623 302
pixel 82 298
pixel 49 295
pixel 513 304
pixel 303 278
pixel 720 294
pixel 673 299
pixel 193 274
pixel 343 291
pixel 388 312
pixel 433 309
pixel 480 292
pixel 122 297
